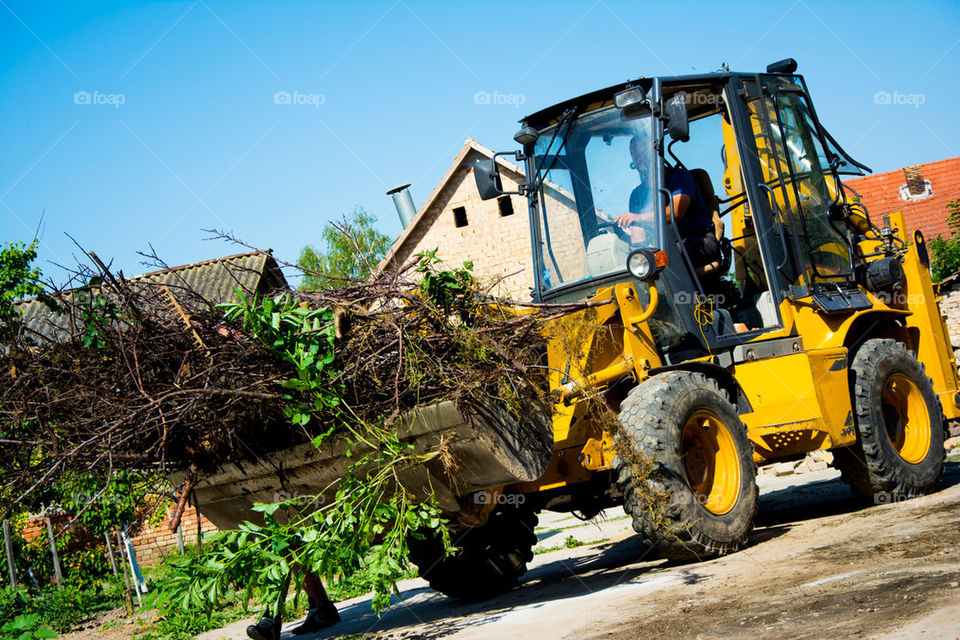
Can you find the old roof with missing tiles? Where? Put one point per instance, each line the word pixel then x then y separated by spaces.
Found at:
pixel 213 281
pixel 920 191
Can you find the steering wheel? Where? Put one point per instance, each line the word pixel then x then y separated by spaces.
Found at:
pixel 605 227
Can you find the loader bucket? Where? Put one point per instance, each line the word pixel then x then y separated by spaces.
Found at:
pixel 487 448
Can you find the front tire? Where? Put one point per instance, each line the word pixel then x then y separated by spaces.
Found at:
pixel 700 498
pixel 491 558
pixel 899 451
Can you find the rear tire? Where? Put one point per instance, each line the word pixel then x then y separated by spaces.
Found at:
pixel 704 479
pixel 491 558
pixel 899 450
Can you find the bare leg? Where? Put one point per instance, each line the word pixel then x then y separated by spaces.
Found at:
pixel 323 613
pixel 314 587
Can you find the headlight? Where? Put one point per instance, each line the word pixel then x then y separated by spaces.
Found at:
pixel 645 264
pixel 629 97
pixel 640 265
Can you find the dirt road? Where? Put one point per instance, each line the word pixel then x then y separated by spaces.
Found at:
pixel 819 566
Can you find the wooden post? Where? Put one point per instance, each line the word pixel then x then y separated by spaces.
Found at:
pixel 8 545
pixel 57 573
pixel 196 506
pixel 128 599
pixel 113 562
pixel 180 539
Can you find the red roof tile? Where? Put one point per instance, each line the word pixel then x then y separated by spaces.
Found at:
pixel 880 193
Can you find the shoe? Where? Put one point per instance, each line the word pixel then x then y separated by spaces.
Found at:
pixel 267 628
pixel 325 615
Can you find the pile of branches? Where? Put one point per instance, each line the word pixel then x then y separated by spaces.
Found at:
pixel 147 377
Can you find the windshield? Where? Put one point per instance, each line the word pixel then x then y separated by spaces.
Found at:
pixel 597 198
pixel 797 169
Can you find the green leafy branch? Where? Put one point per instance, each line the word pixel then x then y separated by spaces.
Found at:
pixel 945 252
pixel 360 523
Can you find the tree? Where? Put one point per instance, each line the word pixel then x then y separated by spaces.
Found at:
pixel 353 248
pixel 945 252
pixel 17 280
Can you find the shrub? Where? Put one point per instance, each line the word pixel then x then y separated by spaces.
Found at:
pixel 945 252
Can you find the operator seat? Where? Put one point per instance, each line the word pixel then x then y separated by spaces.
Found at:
pixel 712 203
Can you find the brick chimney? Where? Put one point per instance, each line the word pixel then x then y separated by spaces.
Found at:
pixel 914 178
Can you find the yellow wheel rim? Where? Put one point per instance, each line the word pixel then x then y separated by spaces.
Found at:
pixel 710 462
pixel 907 419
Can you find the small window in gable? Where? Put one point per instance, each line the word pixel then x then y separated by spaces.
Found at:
pixel 505 204
pixel 460 216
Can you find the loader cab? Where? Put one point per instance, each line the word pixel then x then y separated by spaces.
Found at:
pixel 765 170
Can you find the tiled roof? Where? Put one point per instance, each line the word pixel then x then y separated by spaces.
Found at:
pixel 211 280
pixel 881 193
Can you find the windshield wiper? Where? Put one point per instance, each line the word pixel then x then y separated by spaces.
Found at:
pixel 565 119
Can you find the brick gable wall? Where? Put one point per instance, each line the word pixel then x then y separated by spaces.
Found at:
pixel 498 246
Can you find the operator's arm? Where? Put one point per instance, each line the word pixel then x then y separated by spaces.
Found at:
pixel 679 203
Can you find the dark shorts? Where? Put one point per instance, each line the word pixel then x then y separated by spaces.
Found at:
pixel 702 248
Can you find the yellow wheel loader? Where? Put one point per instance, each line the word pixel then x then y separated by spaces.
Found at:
pixel 813 327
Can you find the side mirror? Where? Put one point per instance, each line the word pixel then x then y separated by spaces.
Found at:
pixel 488 180
pixel 678 125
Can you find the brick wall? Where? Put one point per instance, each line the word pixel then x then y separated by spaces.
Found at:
pixel 34 527
pixel 151 544
pixel 950 307
pixel 498 245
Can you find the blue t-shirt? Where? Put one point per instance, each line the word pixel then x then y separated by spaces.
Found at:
pixel 696 220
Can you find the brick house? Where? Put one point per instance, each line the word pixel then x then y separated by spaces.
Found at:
pixel 921 192
pixel 493 234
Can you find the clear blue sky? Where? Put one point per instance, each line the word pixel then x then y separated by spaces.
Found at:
pixel 386 95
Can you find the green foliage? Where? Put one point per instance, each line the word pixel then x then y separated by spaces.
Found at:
pixel 363 530
pixel 58 609
pixel 945 252
pixel 449 289
pixel 185 625
pixel 100 506
pixel 570 542
pixel 17 280
pixel 174 623
pixel 26 627
pixel 97 313
pixel 361 524
pixel 345 256
pixel 303 337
